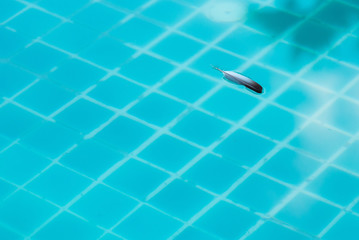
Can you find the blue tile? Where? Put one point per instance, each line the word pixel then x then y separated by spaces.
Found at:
pixel 244 148
pixel 153 225
pixel 109 236
pixel 214 173
pixel 226 221
pixel 355 208
pixel 345 228
pixel 348 159
pixel 116 92
pixel 270 230
pixel 50 184
pixel 33 22
pixel 13 80
pixel 343 52
pixel 307 214
pixel 4 142
pixel 8 8
pixel 77 74
pixel 169 47
pixel 330 75
pixel 136 178
pixel 271 21
pixel 191 233
pixel 303 98
pixel 5 190
pixel 319 141
pixel 181 199
pixel 146 69
pixel 6 234
pixel 195 2
pixel 353 91
pixel 63 8
pixel 132 5
pixel 157 109
pixel 98 17
pixel 11 43
pixel 69 227
pixel 187 86
pixel 287 58
pixel 275 122
pixel 346 17
pixel 167 147
pixel 51 139
pixel 167 12
pixel 336 186
pixel 125 134
pixel 46 58
pixel 342 114
pixel 44 97
pixel 290 166
pixel 103 206
pixel 108 53
pixel 200 128
pixel 91 158
pixel 241 42
pixel 259 193
pixel 16 122
pixel 19 165
pixel 299 7
pixel 24 212
pixel 137 31
pixel 71 37
pixel 203 28
pixel 84 116
pixel 316 36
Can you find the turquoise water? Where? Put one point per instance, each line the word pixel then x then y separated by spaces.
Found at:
pixel 113 125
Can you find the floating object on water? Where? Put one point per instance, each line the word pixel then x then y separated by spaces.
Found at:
pixel 240 79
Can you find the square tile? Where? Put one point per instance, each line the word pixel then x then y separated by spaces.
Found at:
pixel 8 8
pixel 166 147
pixel 259 193
pixel 7 234
pixel 84 116
pixel 128 32
pixel 169 48
pixel 214 173
pixel 290 166
pixel 275 122
pixel 187 86
pixel 271 21
pixel 132 5
pixel 299 7
pixel 91 158
pixel 345 228
pixel 319 141
pixel 23 212
pixel 146 69
pixel 136 178
pixel 226 221
pixel 33 22
pixel 153 225
pixel 241 40
pixel 13 80
pixel 307 214
pixel 303 98
pixel 98 16
pixel 181 199
pixel 116 92
pixel 348 158
pixel 12 43
pixel 44 97
pixel 103 206
pixel 108 53
pixel 5 190
pixel 109 236
pixel 69 227
pixel 353 91
pixel 77 74
pixel 200 128
pixel 50 185
pixel 244 148
pixel 125 134
pixel 335 185
pixel 157 109
pixel 15 122
pixel 64 8
pixel 46 58
pixel 287 58
pixel 342 114
pixel 343 52
pixel 19 165
pixel 191 233
pixel 71 37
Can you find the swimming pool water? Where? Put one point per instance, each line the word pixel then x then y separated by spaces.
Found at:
pixel 113 125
